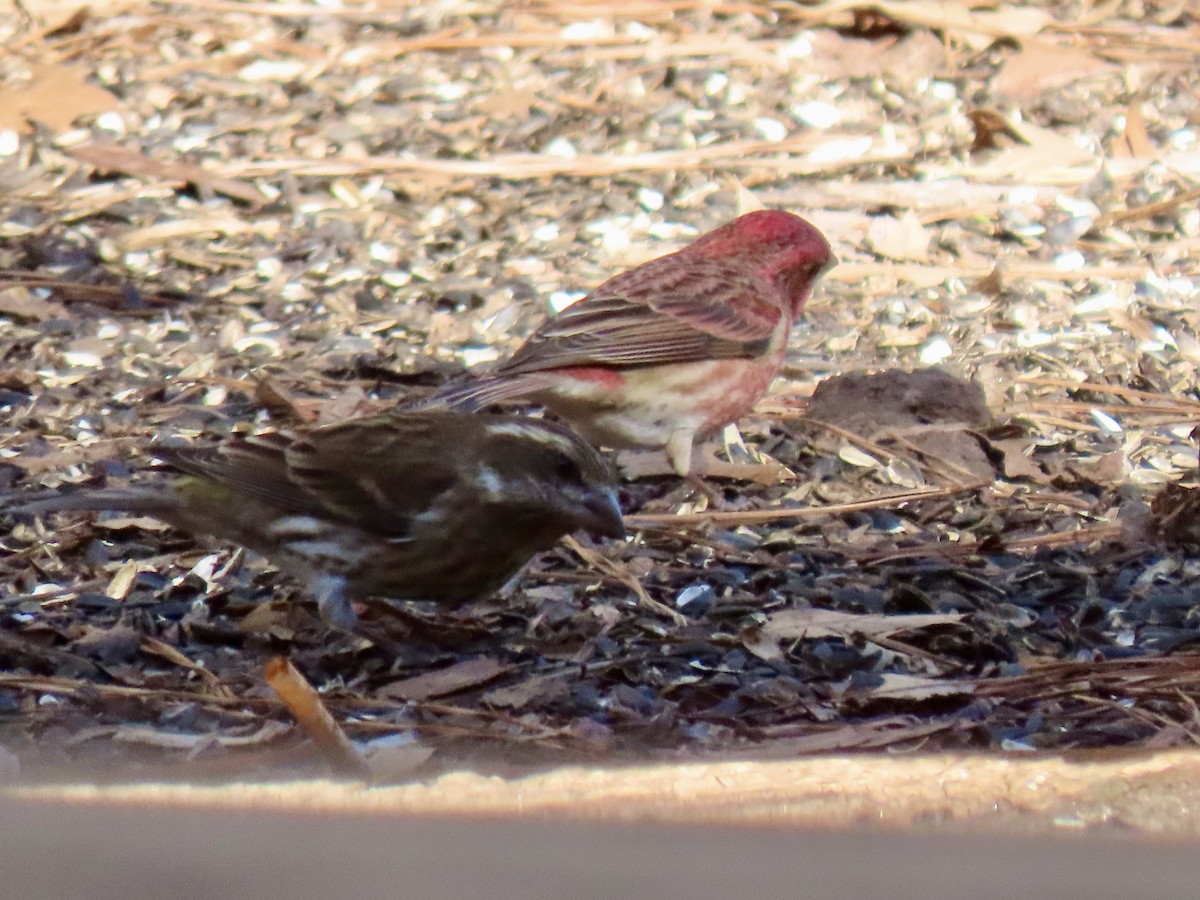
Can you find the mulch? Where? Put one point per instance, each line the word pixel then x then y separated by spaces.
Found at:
pixel 966 517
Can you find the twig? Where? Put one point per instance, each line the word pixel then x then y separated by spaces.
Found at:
pixel 756 516
pixel 775 155
pixel 1117 408
pixel 1054 421
pixel 623 575
pixel 306 706
pixel 165 651
pixel 1035 542
pixel 124 299
pixel 1117 389
pixel 1147 210
pixel 79 686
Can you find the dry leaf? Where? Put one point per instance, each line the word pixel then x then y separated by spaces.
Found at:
pixel 22 304
pixel 129 161
pixel 174 740
pixel 350 402
pixel 798 624
pixel 900 686
pixel 468 673
pixel 1048 157
pixel 881 732
pixel 900 239
pixel 51 11
pixel 516 104
pixel 761 644
pixel 979 28
pixel 69 456
pixel 901 63
pixel 108 646
pixel 519 695
pixel 1108 468
pixel 269 618
pixel 55 96
pixel 992 130
pixel 1041 66
pixel 1017 463
pixel 1136 141
pixel 166 234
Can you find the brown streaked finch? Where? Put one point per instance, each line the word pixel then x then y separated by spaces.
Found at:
pixel 435 504
pixel 673 350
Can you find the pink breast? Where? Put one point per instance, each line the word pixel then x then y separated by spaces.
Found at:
pixel 642 407
pixel 733 389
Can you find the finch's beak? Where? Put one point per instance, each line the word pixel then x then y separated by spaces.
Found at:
pixel 603 515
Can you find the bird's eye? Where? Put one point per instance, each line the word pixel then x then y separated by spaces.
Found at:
pixel 566 468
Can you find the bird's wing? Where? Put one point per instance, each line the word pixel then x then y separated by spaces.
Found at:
pixel 380 473
pixel 253 466
pixel 678 315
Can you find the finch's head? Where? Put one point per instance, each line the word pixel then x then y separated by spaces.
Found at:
pixel 546 469
pixel 782 247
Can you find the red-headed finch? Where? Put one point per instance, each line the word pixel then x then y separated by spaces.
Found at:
pixel 434 504
pixel 673 350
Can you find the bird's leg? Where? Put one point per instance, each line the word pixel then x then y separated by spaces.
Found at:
pixel 336 611
pixel 680 449
pixel 715 498
pixel 332 602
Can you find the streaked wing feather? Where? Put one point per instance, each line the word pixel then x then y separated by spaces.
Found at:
pixel 377 473
pixel 478 393
pixel 700 315
pixel 253 466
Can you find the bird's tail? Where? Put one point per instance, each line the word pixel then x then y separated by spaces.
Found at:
pixel 474 395
pixel 150 501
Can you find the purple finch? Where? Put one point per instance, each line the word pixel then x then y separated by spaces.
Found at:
pixel 436 504
pixel 673 350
